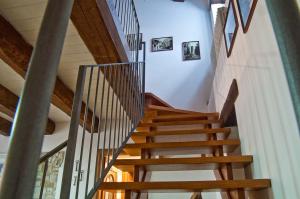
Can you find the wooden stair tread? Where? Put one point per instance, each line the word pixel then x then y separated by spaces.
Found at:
pixel 187 186
pixel 184 144
pixel 181 164
pixel 184 132
pixel 176 117
pixel 202 147
pixel 181 122
pixel 174 110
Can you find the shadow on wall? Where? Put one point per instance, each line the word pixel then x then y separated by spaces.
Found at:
pixel 203 3
pixel 202 88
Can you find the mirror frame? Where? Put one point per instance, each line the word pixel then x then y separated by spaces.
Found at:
pixel 251 13
pixel 231 5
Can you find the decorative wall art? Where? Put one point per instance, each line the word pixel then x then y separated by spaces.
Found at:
pixel 2 161
pixel 162 44
pixel 55 164
pixel 191 50
pixel 231 27
pixel 246 10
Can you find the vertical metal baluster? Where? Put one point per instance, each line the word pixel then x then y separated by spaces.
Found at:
pixel 92 133
pixel 73 133
pixel 100 123
pixel 127 31
pixel 115 4
pixel 132 35
pixel 123 13
pixel 133 96
pixel 127 107
pixel 111 112
pixel 84 131
pixel 125 17
pixel 131 100
pixel 124 103
pixel 119 9
pixel 144 75
pixel 121 104
pixel 118 71
pixel 139 91
pixel 137 109
pixel 44 179
pixel 105 126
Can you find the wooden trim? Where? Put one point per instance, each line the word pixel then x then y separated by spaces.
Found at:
pixel 178 111
pixel 5 127
pixel 114 28
pixel 231 4
pixel 151 99
pixel 218 185
pixel 228 106
pixel 249 19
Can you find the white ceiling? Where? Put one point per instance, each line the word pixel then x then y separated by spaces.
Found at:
pixel 26 16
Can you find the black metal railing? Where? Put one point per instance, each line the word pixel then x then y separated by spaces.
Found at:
pixel 127 15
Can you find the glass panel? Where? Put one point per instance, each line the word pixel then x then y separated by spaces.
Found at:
pixel 245 6
pixel 230 27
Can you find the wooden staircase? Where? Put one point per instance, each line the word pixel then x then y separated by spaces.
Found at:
pixel 170 139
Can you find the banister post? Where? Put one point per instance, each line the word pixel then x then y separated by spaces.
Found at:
pixel 73 132
pixel 32 112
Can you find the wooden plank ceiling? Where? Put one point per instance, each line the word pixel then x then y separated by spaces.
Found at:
pixel 87 42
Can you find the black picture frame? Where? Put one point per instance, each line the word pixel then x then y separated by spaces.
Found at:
pixel 161 44
pixel 191 50
pixel 246 20
pixel 230 35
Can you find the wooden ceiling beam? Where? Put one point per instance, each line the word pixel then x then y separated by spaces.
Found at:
pixel 8 105
pixel 16 52
pixel 97 36
pixel 5 127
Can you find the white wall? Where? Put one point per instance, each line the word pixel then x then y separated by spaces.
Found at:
pixel 182 176
pixel 183 84
pixel 266 119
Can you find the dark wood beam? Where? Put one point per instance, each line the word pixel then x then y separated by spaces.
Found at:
pixel 16 52
pixel 102 34
pixel 8 105
pixel 5 127
pixel 100 39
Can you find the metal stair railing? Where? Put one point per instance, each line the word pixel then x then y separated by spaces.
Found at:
pixel 114 93
pixel 45 160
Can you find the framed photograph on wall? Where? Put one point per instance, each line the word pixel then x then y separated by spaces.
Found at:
pixel 246 10
pixel 162 44
pixel 231 27
pixel 191 50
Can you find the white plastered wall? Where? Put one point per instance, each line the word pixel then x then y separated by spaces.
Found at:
pixel 265 114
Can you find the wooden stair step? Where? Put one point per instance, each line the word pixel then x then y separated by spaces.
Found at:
pixel 176 117
pixel 187 186
pixel 203 147
pixel 182 164
pixel 175 123
pixel 168 110
pixel 226 131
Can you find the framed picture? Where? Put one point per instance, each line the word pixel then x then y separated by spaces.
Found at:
pixel 246 10
pixel 231 27
pixel 162 44
pixel 191 50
